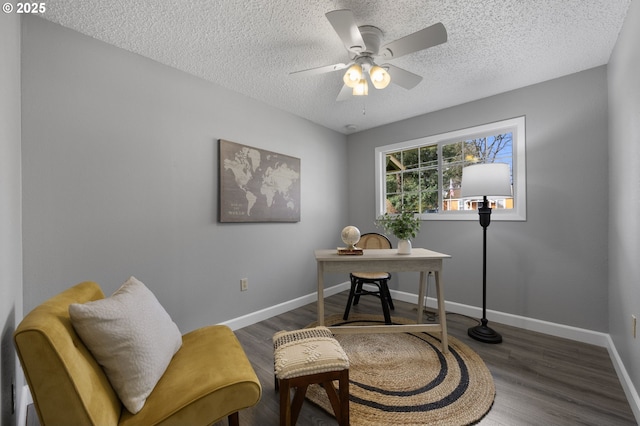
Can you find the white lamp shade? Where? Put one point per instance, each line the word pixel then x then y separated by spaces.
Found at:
pixel 491 180
pixel 353 76
pixel 379 77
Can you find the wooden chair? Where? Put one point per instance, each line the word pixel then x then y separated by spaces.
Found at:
pixel 379 279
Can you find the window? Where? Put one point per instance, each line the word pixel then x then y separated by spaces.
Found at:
pixel 424 175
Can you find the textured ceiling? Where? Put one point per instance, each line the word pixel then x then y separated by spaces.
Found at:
pixel 251 46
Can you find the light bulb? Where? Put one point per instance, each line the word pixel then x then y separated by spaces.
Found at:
pixel 361 89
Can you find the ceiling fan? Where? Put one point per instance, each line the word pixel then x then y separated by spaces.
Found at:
pixel 364 46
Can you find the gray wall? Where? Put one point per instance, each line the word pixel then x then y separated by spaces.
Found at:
pixel 624 192
pixel 10 210
pixel 120 178
pixel 552 267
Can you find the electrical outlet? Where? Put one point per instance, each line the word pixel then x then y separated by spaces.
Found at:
pixel 633 326
pixel 244 284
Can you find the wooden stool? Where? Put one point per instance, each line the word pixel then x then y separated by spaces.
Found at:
pixel 305 357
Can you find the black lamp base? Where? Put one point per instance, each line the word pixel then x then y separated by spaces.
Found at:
pixel 484 334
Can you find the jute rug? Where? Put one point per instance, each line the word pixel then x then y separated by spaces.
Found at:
pixel 405 379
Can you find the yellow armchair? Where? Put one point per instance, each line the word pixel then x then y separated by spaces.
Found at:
pixel 208 379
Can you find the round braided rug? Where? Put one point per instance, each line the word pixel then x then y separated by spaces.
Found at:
pixel 405 379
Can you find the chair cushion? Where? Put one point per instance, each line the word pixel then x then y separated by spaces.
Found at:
pixel 372 275
pixel 131 336
pixel 209 378
pixel 307 351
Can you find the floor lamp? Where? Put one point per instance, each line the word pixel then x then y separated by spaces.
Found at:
pixel 485 180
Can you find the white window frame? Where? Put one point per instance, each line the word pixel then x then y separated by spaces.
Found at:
pixel 514 125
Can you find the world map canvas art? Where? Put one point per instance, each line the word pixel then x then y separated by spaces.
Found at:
pixel 257 185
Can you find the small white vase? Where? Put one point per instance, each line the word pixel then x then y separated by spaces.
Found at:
pixel 404 247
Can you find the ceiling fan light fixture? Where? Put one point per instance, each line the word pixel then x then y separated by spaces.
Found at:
pixel 362 88
pixel 353 76
pixel 379 77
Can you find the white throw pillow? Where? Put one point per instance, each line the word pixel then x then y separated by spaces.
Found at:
pixel 131 336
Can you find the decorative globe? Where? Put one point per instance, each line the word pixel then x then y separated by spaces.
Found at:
pixel 350 235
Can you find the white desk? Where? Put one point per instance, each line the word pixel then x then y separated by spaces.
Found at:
pixel 420 260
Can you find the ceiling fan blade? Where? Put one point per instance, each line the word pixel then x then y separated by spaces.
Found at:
pixel 345 93
pixel 321 70
pixel 344 23
pixel 402 77
pixel 427 37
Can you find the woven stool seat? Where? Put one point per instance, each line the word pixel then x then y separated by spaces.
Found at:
pixel 308 351
pixel 305 357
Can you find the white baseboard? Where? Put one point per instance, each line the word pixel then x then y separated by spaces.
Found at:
pixel 281 308
pixel 558 330
pixel 629 390
pixel 25 401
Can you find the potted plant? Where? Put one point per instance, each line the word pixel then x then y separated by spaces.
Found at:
pixel 403 226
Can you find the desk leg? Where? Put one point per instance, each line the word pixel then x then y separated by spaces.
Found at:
pixel 421 294
pixel 320 293
pixel 442 313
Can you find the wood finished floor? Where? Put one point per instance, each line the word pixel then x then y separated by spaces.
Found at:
pixel 539 379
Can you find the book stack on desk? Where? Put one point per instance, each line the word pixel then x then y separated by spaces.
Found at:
pixel 350 251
